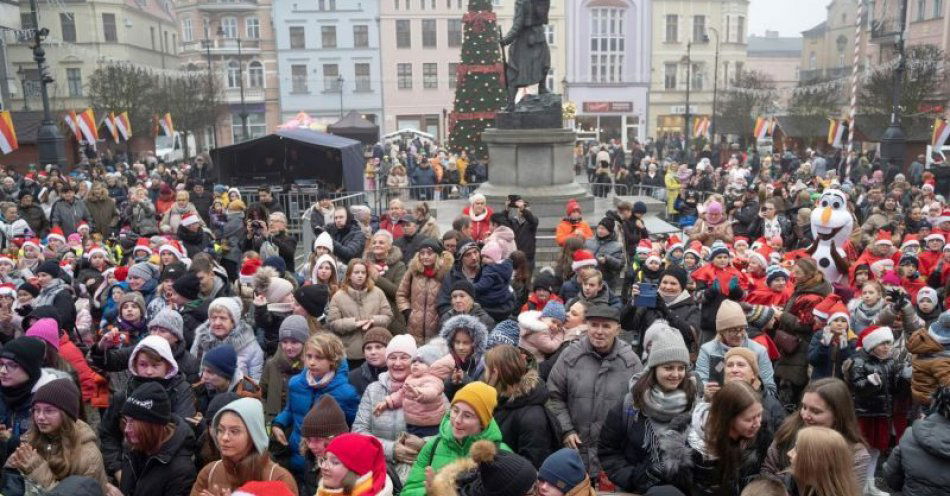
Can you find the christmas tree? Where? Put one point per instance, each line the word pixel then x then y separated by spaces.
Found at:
pixel 479 91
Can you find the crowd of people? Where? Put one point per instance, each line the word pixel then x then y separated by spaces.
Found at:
pixel 161 337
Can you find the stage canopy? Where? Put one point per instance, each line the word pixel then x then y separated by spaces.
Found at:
pixel 301 156
pixel 354 126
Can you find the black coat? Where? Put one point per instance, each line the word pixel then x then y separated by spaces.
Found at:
pixel 180 396
pixel 361 377
pixel 524 422
pixel 683 315
pixel 409 246
pixel 706 472
pixel 194 242
pixel 348 243
pixel 544 368
pixel 873 400
pixel 170 472
pixel 526 232
pixel 193 314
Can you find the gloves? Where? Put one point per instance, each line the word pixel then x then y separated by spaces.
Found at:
pixel 734 284
pixel 875 379
pixel 715 285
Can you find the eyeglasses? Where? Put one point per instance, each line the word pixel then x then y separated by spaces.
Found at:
pixel 9 366
pixel 44 412
pixel 327 462
pixel 738 331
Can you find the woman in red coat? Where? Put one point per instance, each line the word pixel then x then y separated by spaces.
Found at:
pixel 478 212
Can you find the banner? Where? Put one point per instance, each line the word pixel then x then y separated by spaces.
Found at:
pixel 940 134
pixel 87 124
pixel 837 130
pixel 109 121
pixel 8 141
pixel 701 127
pixel 73 123
pixel 124 126
pixel 763 126
pixel 166 125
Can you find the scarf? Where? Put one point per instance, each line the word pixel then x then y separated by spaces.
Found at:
pixel 661 406
pixel 429 272
pixel 476 217
pixel 49 293
pixel 14 397
pixel 864 315
pixel 321 382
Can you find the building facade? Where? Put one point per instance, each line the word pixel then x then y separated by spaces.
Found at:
pixel 234 41
pixel 687 34
pixel 81 36
pixel 777 56
pixel 328 59
pixel 608 67
pixel 828 48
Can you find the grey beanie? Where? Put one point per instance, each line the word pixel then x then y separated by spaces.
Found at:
pixel 667 346
pixel 431 352
pixel 295 327
pixel 144 270
pixel 169 320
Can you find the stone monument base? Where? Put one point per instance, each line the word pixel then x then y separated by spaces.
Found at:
pixel 536 164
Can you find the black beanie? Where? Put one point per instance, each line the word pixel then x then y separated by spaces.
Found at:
pixel 500 472
pixel 313 299
pixel 677 272
pixel 28 352
pixel 61 393
pixel 463 285
pixel 29 288
pixel 188 286
pixel 50 267
pixel 173 271
pixel 148 403
pixel 609 223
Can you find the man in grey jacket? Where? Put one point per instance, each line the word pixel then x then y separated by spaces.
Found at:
pixel 590 377
pixel 68 212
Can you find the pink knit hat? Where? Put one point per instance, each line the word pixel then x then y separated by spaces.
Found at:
pixel 46 329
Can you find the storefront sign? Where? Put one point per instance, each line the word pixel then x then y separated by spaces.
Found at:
pixel 681 109
pixel 594 107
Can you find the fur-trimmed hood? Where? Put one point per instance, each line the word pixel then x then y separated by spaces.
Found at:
pixel 464 321
pixel 446 480
pixel 443 264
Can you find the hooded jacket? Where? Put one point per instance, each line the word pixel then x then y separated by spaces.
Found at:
pixel 931 365
pixel 277 374
pixel 86 460
pixel 612 251
pixel 301 396
pixel 918 465
pixel 420 294
pixel 388 426
pixel 250 356
pixel 170 472
pixel 348 242
pixel 523 419
pixel 525 227
pixel 350 305
pixel 472 367
pixel 68 215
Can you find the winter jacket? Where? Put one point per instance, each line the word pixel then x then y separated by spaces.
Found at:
pixel 444 449
pixel 918 465
pixel 826 360
pixel 523 419
pixel 194 242
pixel 584 385
pixel 86 460
pixel 233 235
pixel 180 396
pixel 612 252
pixel 409 245
pixel 481 227
pixel 931 364
pixel 350 305
pixel 419 294
pixel 477 311
pixel 172 218
pixel 797 319
pixel 250 356
pixel 605 296
pixel 388 283
pixel 872 400
pixel 365 375
pixel 348 242
pixel 68 215
pixel 278 371
pixel 566 228
pixel 388 426
pixel 170 472
pixel 716 349
pixel 428 408
pixel 141 216
pixel 493 287
pixel 706 233
pixel 472 367
pixel 117 360
pixel 35 218
pixel 301 396
pixel 525 227
pixel 103 215
pixel 681 314
pixel 94 387
pixel 60 296
pixel 444 301
pixel 214 474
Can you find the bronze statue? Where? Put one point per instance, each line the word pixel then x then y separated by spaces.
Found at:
pixel 529 58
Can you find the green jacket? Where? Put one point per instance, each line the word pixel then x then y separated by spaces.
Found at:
pixel 447 450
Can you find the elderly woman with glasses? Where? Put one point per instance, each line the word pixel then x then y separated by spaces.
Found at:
pixel 731 333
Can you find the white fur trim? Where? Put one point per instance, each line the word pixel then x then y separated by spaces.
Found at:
pixel 877 337
pixel 580 264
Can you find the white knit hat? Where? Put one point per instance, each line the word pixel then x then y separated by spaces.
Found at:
pixel 229 304
pixel 324 240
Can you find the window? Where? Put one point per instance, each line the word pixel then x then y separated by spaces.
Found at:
pixel 403 34
pixel 699 28
pixel 256 126
pixel 404 76
pixel 672 28
pixel 234 74
pixel 496 3
pixel 938 8
pixel 328 36
pixel 74 81
pixel 108 27
pixel 455 32
pixel 165 39
pixel 812 61
pixel 332 82
pixel 174 43
pixel 206 27
pixel 669 76
pixel 697 77
pixel 362 77
pixel 740 29
pixel 324 4
pixel 453 74
pixel 606 44
pixel 921 8
pixel 549 34
pixel 229 27
pixel 361 36
pixel 298 75
pixel 430 76
pixel 297 37
pixel 549 81
pixel 67 23
pixel 152 29
pixel 26 20
pixel 255 75
pixel 428 33
pixel 396 4
pixel 735 29
pixel 252 28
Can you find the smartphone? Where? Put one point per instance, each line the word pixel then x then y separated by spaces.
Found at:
pixel 717 370
pixel 647 296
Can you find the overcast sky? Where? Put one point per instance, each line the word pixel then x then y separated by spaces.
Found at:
pixel 788 17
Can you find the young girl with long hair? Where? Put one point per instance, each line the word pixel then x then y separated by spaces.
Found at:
pixel 358 306
pixel 821 464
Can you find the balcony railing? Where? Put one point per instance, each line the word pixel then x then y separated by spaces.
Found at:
pixel 223 46
pixel 251 95
pixel 227 5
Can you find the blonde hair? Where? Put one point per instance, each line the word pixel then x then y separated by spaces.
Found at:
pixel 824 464
pixel 328 346
pixel 764 486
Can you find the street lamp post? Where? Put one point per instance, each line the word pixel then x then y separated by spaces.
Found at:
pixel 214 119
pixel 339 87
pixel 894 141
pixel 49 141
pixel 243 113
pixel 712 125
pixel 689 67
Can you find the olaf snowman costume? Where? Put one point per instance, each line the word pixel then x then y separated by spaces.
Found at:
pixel 831 223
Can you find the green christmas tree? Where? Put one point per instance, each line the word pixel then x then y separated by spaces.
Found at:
pixel 479 92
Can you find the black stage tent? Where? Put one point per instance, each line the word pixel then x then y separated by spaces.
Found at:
pixel 300 156
pixel 354 126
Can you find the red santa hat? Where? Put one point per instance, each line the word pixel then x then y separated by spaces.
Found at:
pixel 248 269
pixel 935 235
pixel 695 249
pixel 32 242
pixel 944 217
pixel 174 247
pixel 96 249
pixel 8 289
pixel 654 256
pixel 882 265
pixel 263 488
pixel 873 336
pixel 189 219
pixel 741 239
pixel 583 258
pixel 759 243
pixel 673 243
pixel 839 310
pixel 56 233
pixel 363 455
pixel 910 240
pixel 644 246
pixel 5 258
pixel 763 255
pixel 883 238
pixel 142 244
pixel 825 307
pixel 121 273
pixel 83 226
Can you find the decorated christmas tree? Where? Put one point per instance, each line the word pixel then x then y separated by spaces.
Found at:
pixel 479 91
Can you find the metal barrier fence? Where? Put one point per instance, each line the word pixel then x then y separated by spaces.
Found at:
pixel 382 196
pixel 296 204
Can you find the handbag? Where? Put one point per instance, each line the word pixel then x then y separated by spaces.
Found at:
pixel 786 342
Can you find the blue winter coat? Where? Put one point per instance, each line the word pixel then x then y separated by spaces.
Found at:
pixel 301 397
pixel 493 286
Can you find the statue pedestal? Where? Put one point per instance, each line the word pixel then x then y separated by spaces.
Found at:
pixel 536 164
